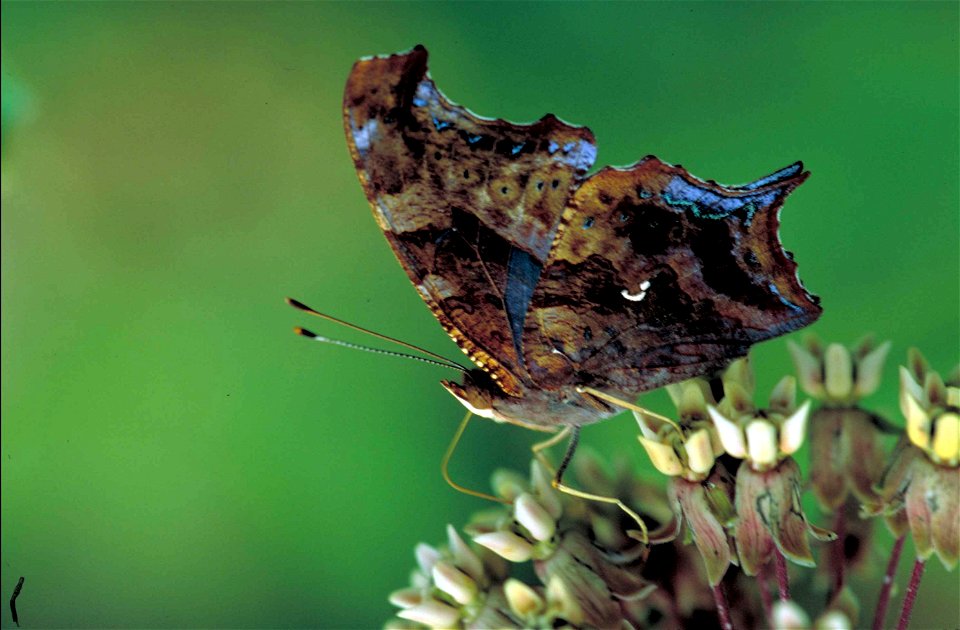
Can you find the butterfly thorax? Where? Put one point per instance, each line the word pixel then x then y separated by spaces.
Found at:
pixel 534 408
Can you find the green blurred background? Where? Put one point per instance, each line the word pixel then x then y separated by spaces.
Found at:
pixel 174 456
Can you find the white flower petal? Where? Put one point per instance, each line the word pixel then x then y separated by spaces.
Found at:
pixel 838 372
pixel 783 398
pixel 662 456
pixel 699 452
pixel 649 425
pixel 870 369
pixel 918 421
pixel 809 369
pixel 794 429
pixel 762 442
pixel 731 436
pixel 909 387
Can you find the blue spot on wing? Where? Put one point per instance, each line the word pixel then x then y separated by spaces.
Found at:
pixel 773 178
pixel 784 300
pixel 706 204
pixel 523 273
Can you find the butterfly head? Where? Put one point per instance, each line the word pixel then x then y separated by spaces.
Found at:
pixel 474 394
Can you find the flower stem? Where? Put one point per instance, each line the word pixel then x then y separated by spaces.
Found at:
pixel 838 557
pixel 723 608
pixel 911 595
pixel 783 580
pixel 884 599
pixel 763 581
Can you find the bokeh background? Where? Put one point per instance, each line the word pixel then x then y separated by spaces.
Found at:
pixel 172 455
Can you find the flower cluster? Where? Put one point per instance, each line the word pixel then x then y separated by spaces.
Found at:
pixel 734 490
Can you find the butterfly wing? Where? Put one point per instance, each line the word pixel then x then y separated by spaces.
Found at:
pixel 656 276
pixel 469 205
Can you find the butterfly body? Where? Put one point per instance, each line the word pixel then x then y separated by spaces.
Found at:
pixel 551 281
pixel 533 408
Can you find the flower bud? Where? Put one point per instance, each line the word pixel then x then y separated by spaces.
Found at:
pixel 406 597
pixel 506 544
pixel 508 484
pixel 787 615
pixel 432 613
pixel 427 556
pixel 833 620
pixel 523 600
pixel 534 517
pixel 464 557
pixel 454 582
pixel 542 483
pixel 562 603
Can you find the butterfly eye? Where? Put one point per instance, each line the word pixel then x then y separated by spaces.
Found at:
pixel 540 185
pixel 555 184
pixel 588 223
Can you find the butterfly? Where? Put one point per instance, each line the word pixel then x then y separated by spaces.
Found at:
pixel 566 291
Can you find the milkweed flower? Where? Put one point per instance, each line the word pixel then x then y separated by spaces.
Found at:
pixel 700 491
pixel 551 560
pixel 844 438
pixel 584 583
pixel 922 482
pixel 768 481
pixel 453 586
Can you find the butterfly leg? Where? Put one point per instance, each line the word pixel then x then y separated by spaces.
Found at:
pixel 626 404
pixel 540 447
pixel 574 433
pixel 445 465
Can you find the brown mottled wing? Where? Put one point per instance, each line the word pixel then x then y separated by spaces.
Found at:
pixel 656 276
pixel 469 205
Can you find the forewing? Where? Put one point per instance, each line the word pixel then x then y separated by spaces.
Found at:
pixel 656 276
pixel 469 205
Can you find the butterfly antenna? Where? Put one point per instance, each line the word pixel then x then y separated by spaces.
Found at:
pixel 436 360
